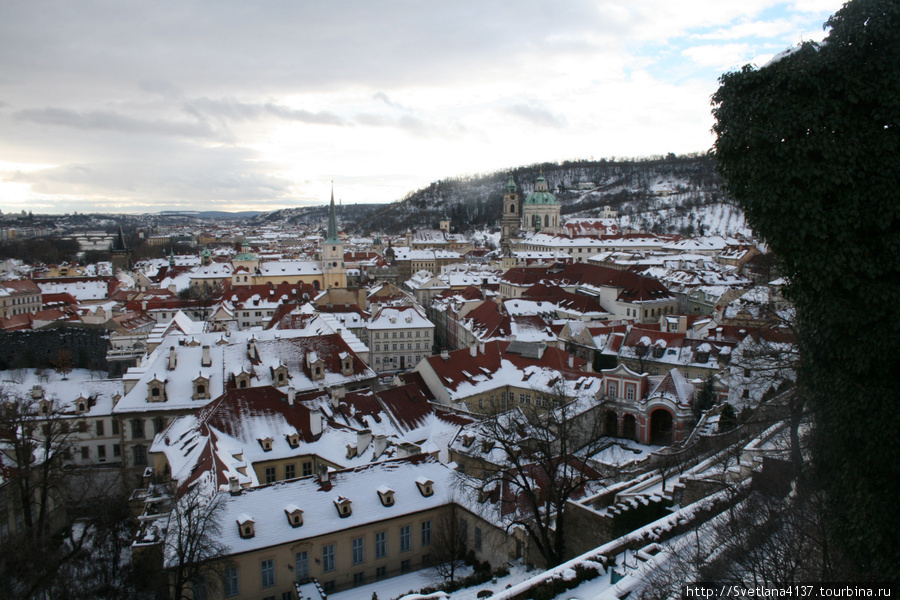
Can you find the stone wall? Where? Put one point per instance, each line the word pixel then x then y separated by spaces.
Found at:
pixel 37 348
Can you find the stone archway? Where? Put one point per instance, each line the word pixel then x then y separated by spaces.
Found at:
pixel 611 426
pixel 629 427
pixel 661 429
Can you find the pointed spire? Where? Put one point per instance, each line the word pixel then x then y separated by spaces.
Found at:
pixel 332 222
pixel 511 185
pixel 119 242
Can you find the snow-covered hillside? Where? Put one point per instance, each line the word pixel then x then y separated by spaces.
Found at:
pixel 666 195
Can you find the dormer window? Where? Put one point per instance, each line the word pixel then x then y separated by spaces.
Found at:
pixel 246 526
pixel 294 440
pixel 81 405
pixel 658 352
pixel 266 444
pixel 157 390
pixel 386 495
pixel 201 388
pixel 343 507
pixel 242 380
pixel 426 486
pixel 280 375
pixel 294 515
pixel 347 365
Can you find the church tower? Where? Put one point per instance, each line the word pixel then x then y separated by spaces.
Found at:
pixel 509 222
pixel 333 270
pixel 445 223
pixel 540 210
pixel 120 252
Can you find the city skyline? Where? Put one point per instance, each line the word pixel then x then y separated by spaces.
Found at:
pixel 110 107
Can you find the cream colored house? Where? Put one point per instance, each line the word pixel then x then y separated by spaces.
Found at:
pixel 344 528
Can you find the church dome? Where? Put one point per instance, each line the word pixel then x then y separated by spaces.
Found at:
pixel 541 193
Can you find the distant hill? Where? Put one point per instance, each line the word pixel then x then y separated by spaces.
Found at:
pixel 673 194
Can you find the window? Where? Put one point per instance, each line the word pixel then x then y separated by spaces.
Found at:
pixel 463 531
pixel 405 566
pixel 267 572
pixel 85 452
pixel 359 551
pixel 405 538
pixel 230 581
pixel 137 429
pixel 301 565
pixel 287 595
pixel 140 455
pixel 115 427
pixel 158 424
pixel 359 579
pixel 613 389
pixel 629 392
pixel 329 586
pixel 380 544
pixel 270 474
pixel 307 468
pixel 477 543
pixel 99 426
pixel 426 533
pixel 198 589
pixel 380 572
pixel 101 452
pixel 117 450
pixel 328 558
pixel 290 471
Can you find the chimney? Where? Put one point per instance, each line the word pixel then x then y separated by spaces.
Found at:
pixel 206 361
pixel 251 349
pixel 234 488
pixel 381 444
pixel 336 394
pixel 571 361
pixel 324 475
pixel 173 360
pixel 315 422
pixel 473 350
pixel 291 396
pixel 481 348
pixel 718 334
pixel 363 439
pixel 445 355
pixel 407 449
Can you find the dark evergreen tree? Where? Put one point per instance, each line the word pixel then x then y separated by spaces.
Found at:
pixel 808 145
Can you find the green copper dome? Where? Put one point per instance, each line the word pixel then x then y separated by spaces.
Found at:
pixel 541 193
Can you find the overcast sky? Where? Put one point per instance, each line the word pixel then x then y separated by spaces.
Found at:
pixel 146 106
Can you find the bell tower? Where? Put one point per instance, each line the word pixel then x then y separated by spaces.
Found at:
pixel 333 270
pixel 509 222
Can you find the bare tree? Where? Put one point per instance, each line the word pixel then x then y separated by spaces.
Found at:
pixel 541 463
pixel 34 441
pixel 192 547
pixel 448 548
pixel 62 364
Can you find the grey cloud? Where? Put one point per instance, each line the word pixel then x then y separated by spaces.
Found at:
pixel 113 121
pixel 233 110
pixel 537 115
pixel 408 123
pixel 161 87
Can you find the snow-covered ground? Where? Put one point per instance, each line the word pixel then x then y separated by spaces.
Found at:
pixel 396 587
